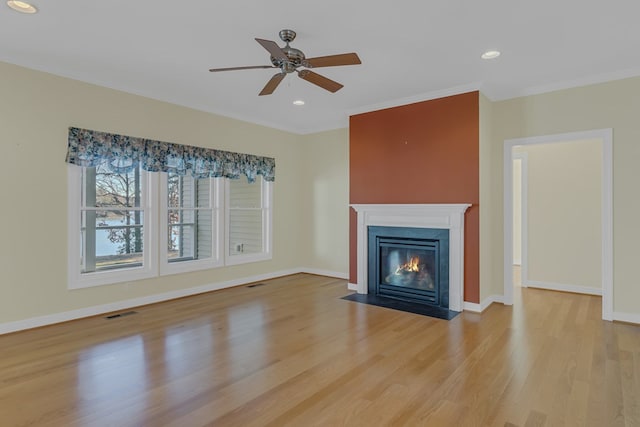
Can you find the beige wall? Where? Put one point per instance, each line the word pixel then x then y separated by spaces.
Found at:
pixel 517 211
pixel 326 201
pixel 564 213
pixel 488 199
pixel 606 105
pixel 36 110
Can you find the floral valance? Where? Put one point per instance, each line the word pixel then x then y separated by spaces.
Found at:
pixel 124 153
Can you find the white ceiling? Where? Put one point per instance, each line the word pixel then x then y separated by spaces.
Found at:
pixel 410 50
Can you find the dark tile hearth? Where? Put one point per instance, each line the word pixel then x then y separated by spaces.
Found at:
pixel 394 304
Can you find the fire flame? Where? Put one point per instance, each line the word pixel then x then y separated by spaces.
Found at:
pixel 412 266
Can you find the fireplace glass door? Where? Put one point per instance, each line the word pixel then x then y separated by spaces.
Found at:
pixel 409 264
pixel 408 269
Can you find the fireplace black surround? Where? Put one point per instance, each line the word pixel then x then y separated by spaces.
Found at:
pixel 410 265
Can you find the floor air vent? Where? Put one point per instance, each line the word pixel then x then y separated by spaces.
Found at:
pixel 256 285
pixel 126 313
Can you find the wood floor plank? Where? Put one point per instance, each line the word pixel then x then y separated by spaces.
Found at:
pixel 290 352
pixel 536 419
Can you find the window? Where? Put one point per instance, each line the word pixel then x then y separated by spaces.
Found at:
pixel 126 226
pixel 109 226
pixel 113 205
pixel 248 220
pixel 191 221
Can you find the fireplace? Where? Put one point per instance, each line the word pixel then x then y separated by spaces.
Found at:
pixel 409 264
pixel 448 218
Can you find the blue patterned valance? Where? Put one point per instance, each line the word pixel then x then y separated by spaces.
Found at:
pixel 124 153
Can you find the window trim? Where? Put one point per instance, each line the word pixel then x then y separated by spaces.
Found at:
pixel 78 280
pixel 166 268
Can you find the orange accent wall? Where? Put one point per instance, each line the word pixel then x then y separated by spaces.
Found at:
pixel 427 152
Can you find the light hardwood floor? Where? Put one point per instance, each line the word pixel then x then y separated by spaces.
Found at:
pixel 291 352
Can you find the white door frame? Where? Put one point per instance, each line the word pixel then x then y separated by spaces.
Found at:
pixel 606 136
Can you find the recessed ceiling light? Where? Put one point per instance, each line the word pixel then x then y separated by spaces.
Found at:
pixel 298 102
pixel 490 54
pixel 21 6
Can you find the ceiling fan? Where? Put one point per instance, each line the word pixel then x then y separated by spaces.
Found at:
pixel 289 59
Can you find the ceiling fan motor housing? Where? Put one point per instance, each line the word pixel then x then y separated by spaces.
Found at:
pixel 295 58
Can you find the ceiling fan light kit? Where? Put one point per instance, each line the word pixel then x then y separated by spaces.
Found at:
pixel 289 60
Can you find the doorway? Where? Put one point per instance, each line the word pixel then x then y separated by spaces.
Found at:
pixel 606 228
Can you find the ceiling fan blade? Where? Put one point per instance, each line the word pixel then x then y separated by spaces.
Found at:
pixel 333 60
pixel 251 67
pixel 319 80
pixel 273 49
pixel 272 84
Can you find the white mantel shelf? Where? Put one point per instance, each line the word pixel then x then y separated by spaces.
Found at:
pixel 447 216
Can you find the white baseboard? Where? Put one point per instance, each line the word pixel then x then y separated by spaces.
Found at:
pixel 50 319
pixel 479 308
pixel 352 286
pixel 319 272
pixel 627 317
pixel 576 289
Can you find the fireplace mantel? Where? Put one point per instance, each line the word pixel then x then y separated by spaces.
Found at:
pixel 447 216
